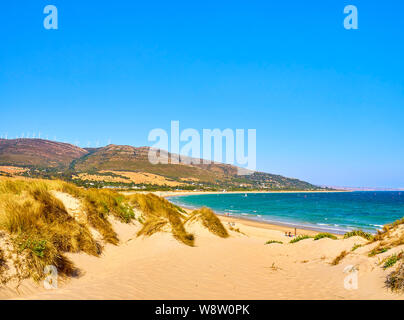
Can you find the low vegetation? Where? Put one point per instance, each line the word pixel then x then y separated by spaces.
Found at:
pixel 378 250
pixel 210 221
pixel 41 229
pixel 236 230
pixel 158 213
pixel 338 259
pixel 325 235
pixel 395 280
pixel 356 246
pixel 273 241
pixel 299 238
pixel 359 233
pixel 392 260
pixel 98 205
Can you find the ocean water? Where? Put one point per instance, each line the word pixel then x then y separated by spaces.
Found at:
pixel 336 212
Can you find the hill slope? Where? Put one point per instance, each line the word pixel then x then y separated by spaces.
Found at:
pixel 38 153
pixel 127 158
pixel 121 163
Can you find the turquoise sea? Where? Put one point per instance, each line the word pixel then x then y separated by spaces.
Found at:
pixel 336 212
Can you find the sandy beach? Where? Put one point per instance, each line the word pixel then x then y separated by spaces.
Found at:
pixel 242 266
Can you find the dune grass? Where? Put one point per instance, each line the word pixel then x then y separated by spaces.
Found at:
pixel 98 205
pixel 41 229
pixel 339 258
pixel 159 213
pixel 356 246
pixel 210 221
pixel 395 280
pixel 388 231
pixel 273 241
pixel 325 235
pixel 392 260
pixel 359 233
pixel 378 250
pixel 299 238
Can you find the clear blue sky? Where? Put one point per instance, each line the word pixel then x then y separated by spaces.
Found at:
pixel 327 103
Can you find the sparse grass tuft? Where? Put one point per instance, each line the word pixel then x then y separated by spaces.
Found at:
pixel 98 205
pixel 299 238
pixel 359 233
pixel 395 280
pixel 152 226
pixel 158 212
pixel 236 230
pixel 392 260
pixel 325 235
pixel 273 241
pixel 338 259
pixel 210 221
pixel 378 250
pixel 356 246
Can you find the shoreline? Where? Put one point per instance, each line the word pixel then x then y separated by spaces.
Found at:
pixel 250 221
pixel 273 225
pixel 165 194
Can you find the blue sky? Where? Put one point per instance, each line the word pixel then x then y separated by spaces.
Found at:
pixel 327 103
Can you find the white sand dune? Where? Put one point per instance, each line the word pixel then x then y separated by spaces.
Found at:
pixel 239 267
